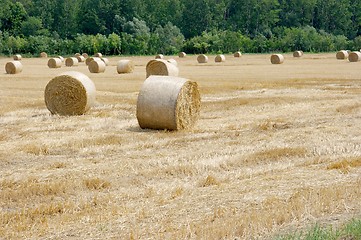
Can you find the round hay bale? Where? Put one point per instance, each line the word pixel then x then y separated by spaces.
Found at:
pixel 277 59
pixel 43 55
pixel 173 61
pixel 61 58
pixel 297 54
pixel 237 54
pixel 88 60
pixel 80 58
pixel 77 54
pixel 85 55
pixel 202 58
pixel 182 54
pixel 106 61
pixel 99 55
pixel 354 56
pixel 125 66
pixel 171 103
pixel 159 56
pixel 17 57
pixel 13 67
pixel 341 55
pixel 71 61
pixel 96 67
pixel 220 58
pixel 70 93
pixel 161 67
pixel 54 63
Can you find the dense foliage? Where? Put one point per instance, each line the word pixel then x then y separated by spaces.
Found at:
pixel 169 26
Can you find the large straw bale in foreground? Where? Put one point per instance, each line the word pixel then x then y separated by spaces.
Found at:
pixel 202 58
pixel 161 67
pixel 277 58
pixel 168 103
pixel 237 54
pixel 71 61
pixel 70 93
pixel 297 54
pixel 54 63
pixel 342 55
pixel 220 58
pixel 96 66
pixel 125 66
pixel 17 57
pixel 13 67
pixel 354 56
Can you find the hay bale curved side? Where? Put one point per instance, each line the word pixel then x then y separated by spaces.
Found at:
pixel 297 54
pixel 13 67
pixel 220 58
pixel 70 93
pixel 106 61
pixel 85 55
pixel 171 103
pixel 202 58
pixel 71 62
pixel 96 67
pixel 277 59
pixel 182 54
pixel 54 63
pixel 354 56
pixel 159 56
pixel 88 60
pixel 161 67
pixel 125 66
pixel 43 55
pixel 342 55
pixel 237 54
pixel 173 61
pixel 99 55
pixel 80 58
pixel 17 57
pixel 77 54
pixel 61 58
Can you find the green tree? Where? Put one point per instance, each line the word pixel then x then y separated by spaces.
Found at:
pixel 12 17
pixel 170 39
pixel 31 26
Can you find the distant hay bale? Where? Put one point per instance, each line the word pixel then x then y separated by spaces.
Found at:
pixel 61 58
pixel 70 93
pixel 220 58
pixel 13 67
pixel 88 60
pixel 171 103
pixel 277 59
pixel 354 56
pixel 71 62
pixel 161 67
pixel 99 55
pixel 202 58
pixel 85 55
pixel 77 54
pixel 182 54
pixel 106 61
pixel 297 54
pixel 80 58
pixel 125 66
pixel 54 63
pixel 342 55
pixel 43 55
pixel 237 54
pixel 159 56
pixel 96 67
pixel 173 61
pixel 17 57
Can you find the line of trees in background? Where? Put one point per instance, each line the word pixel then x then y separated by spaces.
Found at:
pixel 168 26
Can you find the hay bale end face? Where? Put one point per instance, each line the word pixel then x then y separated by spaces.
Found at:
pixel 71 62
pixel 297 54
pixel 182 54
pixel 165 102
pixel 342 55
pixel 277 59
pixel 13 67
pixel 237 54
pixel 70 93
pixel 54 63
pixel 96 67
pixel 43 55
pixel 354 56
pixel 125 66
pixel 220 58
pixel 161 67
pixel 159 56
pixel 88 60
pixel 80 58
pixel 17 57
pixel 202 58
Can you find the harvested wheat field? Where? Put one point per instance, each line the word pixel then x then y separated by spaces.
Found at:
pixel 276 148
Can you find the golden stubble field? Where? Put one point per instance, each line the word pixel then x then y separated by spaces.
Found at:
pixel 277 148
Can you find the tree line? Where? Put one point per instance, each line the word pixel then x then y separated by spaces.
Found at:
pixel 169 26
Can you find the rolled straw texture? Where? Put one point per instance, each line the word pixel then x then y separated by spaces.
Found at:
pixel 125 66
pixel 106 61
pixel 161 67
pixel 354 56
pixel 88 60
pixel 171 103
pixel 96 67
pixel 80 58
pixel 13 67
pixel 341 55
pixel 159 56
pixel 220 58
pixel 54 63
pixel 71 61
pixel 61 58
pixel 277 58
pixel 202 58
pixel 182 54
pixel 43 55
pixel 77 54
pixel 17 57
pixel 297 54
pixel 173 61
pixel 237 54
pixel 85 55
pixel 99 55
pixel 70 93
